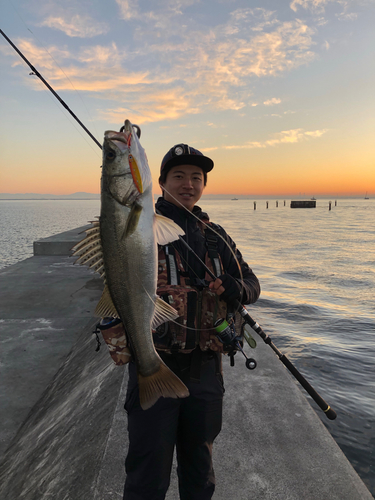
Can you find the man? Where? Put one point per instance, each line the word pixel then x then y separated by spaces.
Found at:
pixel 188 346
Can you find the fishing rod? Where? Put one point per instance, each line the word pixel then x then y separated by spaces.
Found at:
pixel 36 73
pixel 331 414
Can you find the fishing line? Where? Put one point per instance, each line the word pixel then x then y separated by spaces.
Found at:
pixel 172 320
pixel 36 72
pixel 189 266
pixel 51 56
pixel 213 230
pixel 68 118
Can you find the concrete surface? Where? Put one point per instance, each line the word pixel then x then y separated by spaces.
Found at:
pixel 59 244
pixel 64 426
pixel 44 304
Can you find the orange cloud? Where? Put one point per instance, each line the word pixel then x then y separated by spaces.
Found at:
pixel 211 70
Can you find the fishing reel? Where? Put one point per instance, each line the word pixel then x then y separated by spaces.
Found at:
pixel 226 334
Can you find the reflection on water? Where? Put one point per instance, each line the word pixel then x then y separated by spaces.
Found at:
pixel 316 269
pixel 23 222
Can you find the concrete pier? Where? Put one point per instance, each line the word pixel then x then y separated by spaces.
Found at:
pixel 303 204
pixel 63 433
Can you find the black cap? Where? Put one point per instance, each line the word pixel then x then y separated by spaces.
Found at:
pixel 182 154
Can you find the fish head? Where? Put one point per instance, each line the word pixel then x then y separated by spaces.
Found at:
pixel 126 173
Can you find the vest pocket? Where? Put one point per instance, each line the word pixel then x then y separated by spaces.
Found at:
pixel 179 335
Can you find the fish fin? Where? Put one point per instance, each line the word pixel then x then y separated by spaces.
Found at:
pixel 133 219
pixel 163 312
pixel 166 230
pixel 164 383
pixel 89 250
pixel 105 307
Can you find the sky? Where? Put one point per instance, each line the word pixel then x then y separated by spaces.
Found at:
pixel 280 94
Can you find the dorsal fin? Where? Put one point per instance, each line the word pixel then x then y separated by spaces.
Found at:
pixel 89 250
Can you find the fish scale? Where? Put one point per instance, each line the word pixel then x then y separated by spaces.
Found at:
pixel 126 247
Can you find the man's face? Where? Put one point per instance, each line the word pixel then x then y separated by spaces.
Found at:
pixel 184 185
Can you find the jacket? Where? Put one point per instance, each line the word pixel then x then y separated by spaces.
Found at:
pixel 196 240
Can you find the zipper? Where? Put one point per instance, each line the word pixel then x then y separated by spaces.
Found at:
pixel 199 316
pixel 187 241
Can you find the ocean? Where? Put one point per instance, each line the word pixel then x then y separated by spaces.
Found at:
pixel 317 272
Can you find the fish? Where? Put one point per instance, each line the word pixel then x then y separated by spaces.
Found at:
pixel 122 247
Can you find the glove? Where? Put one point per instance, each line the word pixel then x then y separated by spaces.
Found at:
pixel 232 290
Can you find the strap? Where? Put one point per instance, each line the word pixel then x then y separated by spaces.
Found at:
pixel 212 247
pixel 173 276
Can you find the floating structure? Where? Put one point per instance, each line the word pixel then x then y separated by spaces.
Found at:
pixel 303 204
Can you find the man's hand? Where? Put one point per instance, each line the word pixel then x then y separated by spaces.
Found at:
pixel 216 286
pixel 226 287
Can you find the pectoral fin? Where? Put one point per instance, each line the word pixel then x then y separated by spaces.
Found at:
pixel 133 220
pixel 166 230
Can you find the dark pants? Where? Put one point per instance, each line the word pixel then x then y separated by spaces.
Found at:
pixel 191 424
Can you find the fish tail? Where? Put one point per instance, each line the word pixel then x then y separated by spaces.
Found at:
pixel 163 383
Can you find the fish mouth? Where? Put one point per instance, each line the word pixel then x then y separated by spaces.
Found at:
pixel 122 141
pixel 119 139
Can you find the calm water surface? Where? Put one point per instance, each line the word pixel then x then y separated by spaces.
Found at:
pixel 317 272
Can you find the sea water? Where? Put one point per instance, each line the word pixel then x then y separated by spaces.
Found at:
pixel 317 273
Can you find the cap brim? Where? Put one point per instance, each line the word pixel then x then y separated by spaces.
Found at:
pixel 206 164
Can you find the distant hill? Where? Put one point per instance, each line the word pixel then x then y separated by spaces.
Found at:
pixel 38 196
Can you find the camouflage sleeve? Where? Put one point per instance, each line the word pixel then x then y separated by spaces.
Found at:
pixel 249 282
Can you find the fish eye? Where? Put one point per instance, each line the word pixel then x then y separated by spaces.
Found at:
pixel 110 155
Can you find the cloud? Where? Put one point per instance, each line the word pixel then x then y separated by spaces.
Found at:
pixel 40 57
pixel 201 68
pixel 293 136
pixel 167 9
pixel 319 7
pixel 129 9
pixel 271 102
pixel 316 133
pixel 76 25
pixel 315 5
pixel 163 105
pixel 285 137
pixel 352 16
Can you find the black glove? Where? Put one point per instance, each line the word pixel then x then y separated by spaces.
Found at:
pixel 232 290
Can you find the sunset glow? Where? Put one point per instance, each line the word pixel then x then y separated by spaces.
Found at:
pixel 280 98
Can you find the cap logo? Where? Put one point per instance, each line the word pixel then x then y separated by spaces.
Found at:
pixel 177 156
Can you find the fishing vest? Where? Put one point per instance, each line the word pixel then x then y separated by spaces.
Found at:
pixel 197 306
